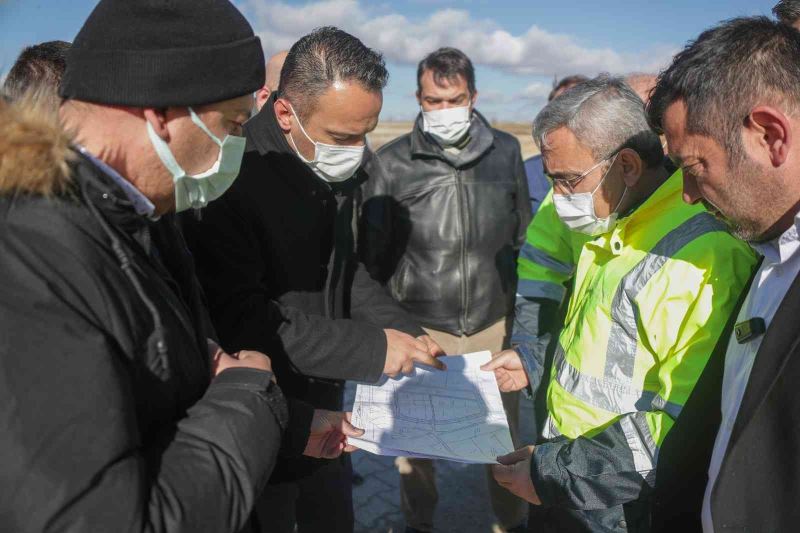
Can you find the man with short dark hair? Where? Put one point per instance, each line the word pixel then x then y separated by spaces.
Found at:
pixel 728 105
pixel 120 412
pixel 38 71
pixel 445 213
pixel 788 12
pixel 276 256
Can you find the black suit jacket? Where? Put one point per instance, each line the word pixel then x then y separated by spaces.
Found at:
pixel 759 482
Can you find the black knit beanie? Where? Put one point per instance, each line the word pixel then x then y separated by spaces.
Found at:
pixel 160 53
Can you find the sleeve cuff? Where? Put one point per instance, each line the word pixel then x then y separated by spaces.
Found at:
pixel 296 436
pixel 260 383
pixel 532 368
pixel 546 474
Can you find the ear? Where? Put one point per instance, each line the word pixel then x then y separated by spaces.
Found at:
pixel 767 129
pixel 262 95
pixel 474 99
pixel 419 98
pixel 283 113
pixel 631 166
pixel 158 119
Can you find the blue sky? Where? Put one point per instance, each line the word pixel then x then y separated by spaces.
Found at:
pixel 517 45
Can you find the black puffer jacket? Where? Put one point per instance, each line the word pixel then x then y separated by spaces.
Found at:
pixel 443 229
pixel 109 420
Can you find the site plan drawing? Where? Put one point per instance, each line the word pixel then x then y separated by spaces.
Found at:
pixel 456 414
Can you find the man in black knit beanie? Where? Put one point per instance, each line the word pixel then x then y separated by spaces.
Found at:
pixel 118 410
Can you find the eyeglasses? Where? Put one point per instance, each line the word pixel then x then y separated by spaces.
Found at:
pixel 570 183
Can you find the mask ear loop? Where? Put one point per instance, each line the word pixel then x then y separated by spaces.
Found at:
pixel 594 213
pixel 623 192
pixel 294 144
pixel 200 124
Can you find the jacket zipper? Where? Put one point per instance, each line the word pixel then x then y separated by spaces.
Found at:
pixel 463 267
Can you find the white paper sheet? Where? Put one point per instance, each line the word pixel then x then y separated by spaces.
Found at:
pixel 455 414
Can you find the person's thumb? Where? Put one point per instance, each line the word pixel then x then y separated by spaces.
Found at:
pixel 494 364
pixel 350 430
pixel 514 457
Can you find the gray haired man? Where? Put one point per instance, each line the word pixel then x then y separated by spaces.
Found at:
pixel 653 289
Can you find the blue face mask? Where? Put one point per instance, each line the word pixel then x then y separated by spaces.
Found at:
pixel 198 190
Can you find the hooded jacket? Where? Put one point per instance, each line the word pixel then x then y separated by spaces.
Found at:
pixel 110 421
pixel 276 258
pixel 443 229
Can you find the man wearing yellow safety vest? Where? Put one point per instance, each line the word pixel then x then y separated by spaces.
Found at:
pixel 654 288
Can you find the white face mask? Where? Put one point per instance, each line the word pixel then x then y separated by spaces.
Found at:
pixel 331 163
pixel 448 126
pixel 577 210
pixel 196 191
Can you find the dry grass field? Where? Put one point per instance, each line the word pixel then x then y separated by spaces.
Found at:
pixel 386 131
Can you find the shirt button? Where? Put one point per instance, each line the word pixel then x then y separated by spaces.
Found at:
pixel 623 523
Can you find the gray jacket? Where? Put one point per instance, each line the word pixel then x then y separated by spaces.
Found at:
pixel 443 229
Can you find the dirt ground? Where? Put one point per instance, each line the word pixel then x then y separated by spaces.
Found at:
pixel 386 131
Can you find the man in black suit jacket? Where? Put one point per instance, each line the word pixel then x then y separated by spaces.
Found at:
pixel 728 106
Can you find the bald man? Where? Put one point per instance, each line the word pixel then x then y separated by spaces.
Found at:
pixel 274 66
pixel 642 84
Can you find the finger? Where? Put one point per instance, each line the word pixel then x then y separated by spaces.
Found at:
pixel 434 348
pixel 421 345
pixel 503 380
pixel 496 363
pixel 514 457
pixel 502 474
pixel 429 360
pixel 506 385
pixel 501 374
pixel 408 367
pixel 333 446
pixel 350 430
pixel 349 448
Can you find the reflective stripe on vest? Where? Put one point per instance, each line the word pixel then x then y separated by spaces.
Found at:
pixel 535 255
pixel 641 444
pixel 608 395
pixel 615 391
pixel 622 339
pixel 530 288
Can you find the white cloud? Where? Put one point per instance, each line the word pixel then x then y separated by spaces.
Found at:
pixel 404 41
pixel 536 91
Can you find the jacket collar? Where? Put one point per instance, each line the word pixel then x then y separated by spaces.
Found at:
pixel 265 136
pixel 481 141
pixel 141 204
pixel 263 133
pixel 106 194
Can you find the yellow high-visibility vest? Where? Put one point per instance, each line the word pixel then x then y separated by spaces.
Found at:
pixel 547 259
pixel 650 302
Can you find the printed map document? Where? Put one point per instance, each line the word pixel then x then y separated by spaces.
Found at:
pixel 455 414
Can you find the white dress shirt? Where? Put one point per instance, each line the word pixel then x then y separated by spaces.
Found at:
pixel 780 267
pixel 141 204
